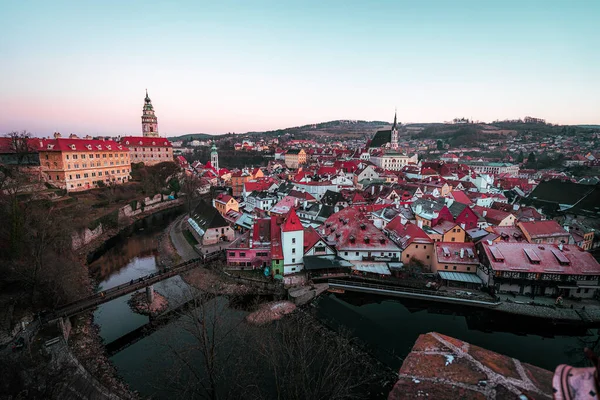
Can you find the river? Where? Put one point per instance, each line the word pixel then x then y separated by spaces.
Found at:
pixel 388 327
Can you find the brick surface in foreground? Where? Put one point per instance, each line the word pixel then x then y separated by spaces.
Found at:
pixel 441 367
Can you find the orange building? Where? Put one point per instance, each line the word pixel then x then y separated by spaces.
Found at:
pixel 224 203
pixel 455 257
pixel 240 177
pixel 294 158
pixel 78 164
pixel 446 231
pixel 148 150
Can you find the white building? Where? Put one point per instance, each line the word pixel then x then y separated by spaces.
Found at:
pixel 292 241
pixel 393 161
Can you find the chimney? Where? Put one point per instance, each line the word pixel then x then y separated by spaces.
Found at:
pixel 566 228
pixel 484 213
pixel 56 135
pixel 560 246
pixel 418 209
pixel 420 223
pixel 372 190
pixel 463 225
pixel 462 253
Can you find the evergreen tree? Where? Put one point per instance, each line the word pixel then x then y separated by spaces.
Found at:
pixel 531 158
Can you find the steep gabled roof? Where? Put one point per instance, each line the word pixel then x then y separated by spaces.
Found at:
pixel 206 216
pixel 292 223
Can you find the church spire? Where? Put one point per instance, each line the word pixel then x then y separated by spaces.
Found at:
pixel 149 120
pixel 395 125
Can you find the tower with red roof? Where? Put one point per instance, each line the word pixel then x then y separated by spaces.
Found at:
pixel 292 242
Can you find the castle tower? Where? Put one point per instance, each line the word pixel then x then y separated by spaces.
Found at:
pixel 214 158
pixel 149 120
pixel 394 138
pixel 292 242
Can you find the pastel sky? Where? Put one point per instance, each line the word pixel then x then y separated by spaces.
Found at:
pixel 223 66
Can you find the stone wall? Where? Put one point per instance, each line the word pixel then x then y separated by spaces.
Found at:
pixel 84 236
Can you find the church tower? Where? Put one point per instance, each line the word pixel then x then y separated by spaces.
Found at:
pixel 214 158
pixel 394 138
pixel 149 120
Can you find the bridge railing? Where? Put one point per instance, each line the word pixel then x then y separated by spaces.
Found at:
pixel 111 293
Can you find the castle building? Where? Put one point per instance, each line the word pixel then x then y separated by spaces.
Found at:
pixel 149 120
pixel 81 164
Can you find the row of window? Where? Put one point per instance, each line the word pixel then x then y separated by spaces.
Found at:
pixel 454 267
pixel 89 184
pixel 83 156
pixel 99 173
pixel 85 165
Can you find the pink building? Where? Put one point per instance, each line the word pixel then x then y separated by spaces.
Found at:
pixel 252 250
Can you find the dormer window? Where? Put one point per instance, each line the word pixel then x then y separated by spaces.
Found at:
pixel 127 142
pixel 153 143
pixel 72 147
pixel 99 147
pixel 50 146
pixel 140 142
pixel 108 146
pixel 89 146
pixel 352 239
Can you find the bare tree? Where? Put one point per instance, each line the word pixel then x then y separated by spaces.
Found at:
pixel 190 186
pixel 21 143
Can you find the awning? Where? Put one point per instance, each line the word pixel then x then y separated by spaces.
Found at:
pixel 566 287
pixel 395 265
pixel 381 269
pixel 460 277
pixel 588 287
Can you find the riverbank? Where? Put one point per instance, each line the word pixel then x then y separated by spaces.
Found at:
pixel 87 252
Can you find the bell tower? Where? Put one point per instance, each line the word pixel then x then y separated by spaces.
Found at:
pixel 149 120
pixel 394 135
pixel 214 158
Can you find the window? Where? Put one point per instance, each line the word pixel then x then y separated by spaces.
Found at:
pixel 454 267
pixel 453 239
pixel 277 262
pixel 70 176
pixel 586 290
pixel 294 251
pixel 57 178
pixel 293 240
pixel 345 253
pixel 445 267
pixel 242 254
pixel 103 155
pixel 468 268
pixel 231 254
pixel 293 260
pixel 77 176
pixel 408 256
pixel 416 246
pixel 428 257
pixel 83 156
pixel 74 156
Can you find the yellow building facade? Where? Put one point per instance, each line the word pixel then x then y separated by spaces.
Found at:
pixel 79 164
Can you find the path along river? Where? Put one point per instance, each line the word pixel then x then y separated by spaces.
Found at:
pixel 388 327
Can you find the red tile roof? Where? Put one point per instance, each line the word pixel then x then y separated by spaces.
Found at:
pixel 91 145
pixel 350 229
pixel 460 196
pixel 449 252
pixel 512 257
pixel 145 141
pixel 540 229
pixel 292 223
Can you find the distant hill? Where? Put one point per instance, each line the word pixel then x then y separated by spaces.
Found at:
pixel 193 136
pixel 352 128
pixel 589 126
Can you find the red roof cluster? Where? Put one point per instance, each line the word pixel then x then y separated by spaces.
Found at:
pixel 90 145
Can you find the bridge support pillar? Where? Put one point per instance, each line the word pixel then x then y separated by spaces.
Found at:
pixel 150 294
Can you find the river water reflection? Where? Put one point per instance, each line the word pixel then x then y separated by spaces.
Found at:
pixel 388 327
